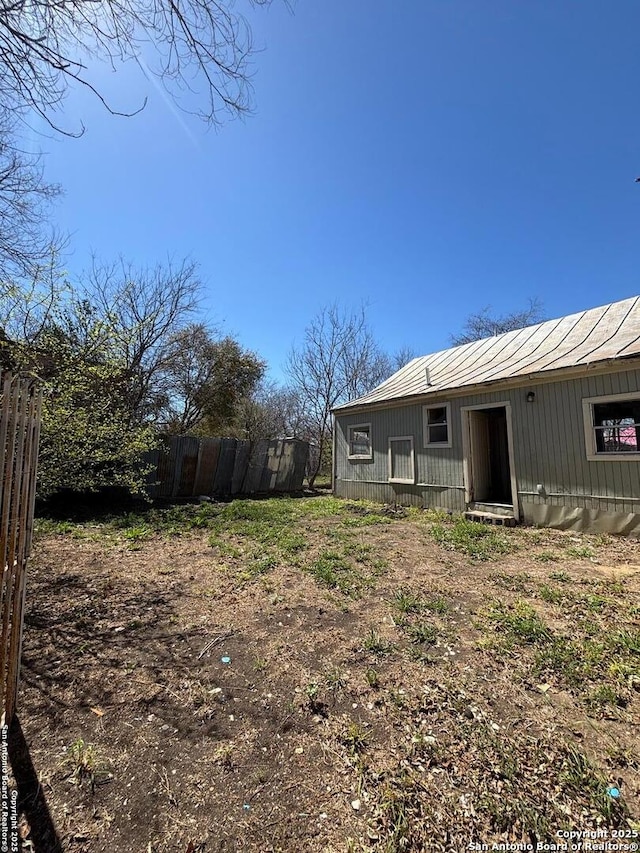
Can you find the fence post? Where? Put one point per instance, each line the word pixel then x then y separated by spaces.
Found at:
pixel 20 406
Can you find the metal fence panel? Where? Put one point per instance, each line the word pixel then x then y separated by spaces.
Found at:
pixel 221 467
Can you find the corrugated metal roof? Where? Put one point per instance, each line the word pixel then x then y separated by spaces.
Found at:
pixel 600 334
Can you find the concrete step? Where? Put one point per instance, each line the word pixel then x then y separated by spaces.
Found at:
pixel 492 508
pixel 490 518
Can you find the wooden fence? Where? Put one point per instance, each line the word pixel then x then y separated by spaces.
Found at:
pixel 222 467
pixel 20 402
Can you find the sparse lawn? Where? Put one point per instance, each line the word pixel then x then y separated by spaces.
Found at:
pixel 323 675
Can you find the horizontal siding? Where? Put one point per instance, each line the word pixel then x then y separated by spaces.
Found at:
pixel 548 448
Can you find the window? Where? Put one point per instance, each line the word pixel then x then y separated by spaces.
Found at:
pixel 437 425
pixel 401 461
pixel 612 426
pixel 360 442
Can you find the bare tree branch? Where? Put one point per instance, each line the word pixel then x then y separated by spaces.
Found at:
pixel 338 361
pixel 26 246
pixel 485 324
pixel 44 45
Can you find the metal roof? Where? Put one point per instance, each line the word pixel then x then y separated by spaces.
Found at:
pixel 600 334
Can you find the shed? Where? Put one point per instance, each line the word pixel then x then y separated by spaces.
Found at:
pixel 539 425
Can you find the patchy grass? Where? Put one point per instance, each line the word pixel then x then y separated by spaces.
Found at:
pixel 582 552
pixel 518 623
pixel 475 540
pixel 330 675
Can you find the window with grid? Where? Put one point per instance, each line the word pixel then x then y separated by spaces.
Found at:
pixel 615 426
pixel 437 425
pixel 360 442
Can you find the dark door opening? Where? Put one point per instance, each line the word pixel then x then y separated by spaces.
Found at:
pixel 489 442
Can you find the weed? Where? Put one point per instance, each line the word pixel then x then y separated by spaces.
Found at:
pixel 48 527
pixel 422 633
pixel 331 569
pixel 407 601
pixel 476 540
pixel 84 764
pixel 575 661
pixel 604 695
pixel 312 690
pixel 546 557
pixel 354 738
pixel 223 755
pixel 358 551
pixel 437 604
pixel 563 577
pixel 225 549
pixel 428 515
pixel 324 507
pixel 580 778
pixel 595 603
pixel 625 641
pixel 548 593
pixel 335 569
pixel 335 679
pixel 519 622
pixel 374 643
pixel 518 582
pixel 581 551
pixel 259 664
pixel 373 679
pixel 263 564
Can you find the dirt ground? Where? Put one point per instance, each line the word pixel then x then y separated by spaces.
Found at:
pixel 320 675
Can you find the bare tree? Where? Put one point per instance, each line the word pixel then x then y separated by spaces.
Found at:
pixel 271 411
pixel 139 312
pixel 391 363
pixel 44 46
pixel 337 361
pixel 485 324
pixel 26 244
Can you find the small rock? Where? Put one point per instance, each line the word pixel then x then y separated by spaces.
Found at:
pixel 355 805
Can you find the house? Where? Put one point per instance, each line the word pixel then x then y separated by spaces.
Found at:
pixel 539 425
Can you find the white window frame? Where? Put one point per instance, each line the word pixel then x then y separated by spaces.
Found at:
pixel 359 457
pixel 425 425
pixel 413 460
pixel 590 433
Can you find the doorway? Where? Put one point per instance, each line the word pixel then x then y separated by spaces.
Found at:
pixel 488 468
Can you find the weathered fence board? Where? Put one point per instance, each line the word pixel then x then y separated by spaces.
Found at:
pixel 188 461
pixel 219 467
pixel 207 464
pixel 224 473
pixel 243 453
pixel 257 462
pixel 20 403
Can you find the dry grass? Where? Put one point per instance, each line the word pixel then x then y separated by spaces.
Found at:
pixel 320 675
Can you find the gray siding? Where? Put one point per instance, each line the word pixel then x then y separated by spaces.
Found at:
pixel 548 448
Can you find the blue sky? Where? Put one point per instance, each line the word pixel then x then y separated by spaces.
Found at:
pixel 428 158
